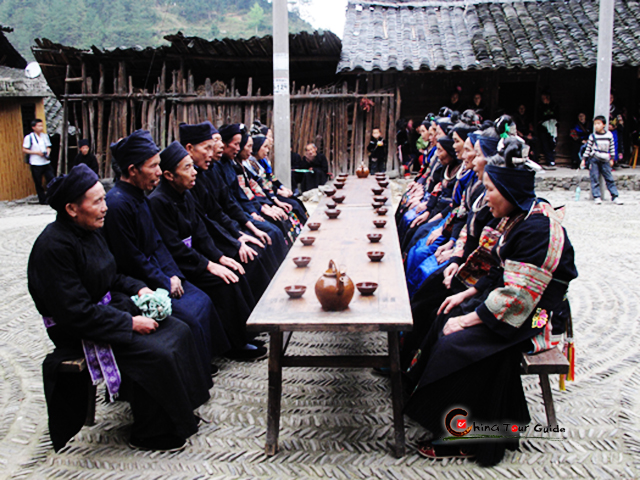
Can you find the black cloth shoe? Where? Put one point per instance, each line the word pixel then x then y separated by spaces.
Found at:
pixel 161 443
pixel 257 342
pixel 243 355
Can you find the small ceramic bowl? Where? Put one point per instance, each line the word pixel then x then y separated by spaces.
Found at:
pixel 383 183
pixel 338 185
pixel 381 198
pixel 332 213
pixel 301 261
pixel 343 175
pixel 306 241
pixel 366 288
pixel 374 237
pixel 375 256
pixel 331 204
pixel 314 225
pixel 338 198
pixel 377 191
pixel 376 205
pixel 295 291
pixel 383 176
pixel 330 191
pixel 379 223
pixel 382 211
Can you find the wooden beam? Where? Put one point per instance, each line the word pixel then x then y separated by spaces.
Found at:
pixel 190 98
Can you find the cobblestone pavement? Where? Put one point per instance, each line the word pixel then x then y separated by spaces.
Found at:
pixel 337 423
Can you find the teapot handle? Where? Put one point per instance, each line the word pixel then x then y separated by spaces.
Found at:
pixel 339 276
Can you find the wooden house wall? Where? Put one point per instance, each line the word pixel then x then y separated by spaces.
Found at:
pixel 15 175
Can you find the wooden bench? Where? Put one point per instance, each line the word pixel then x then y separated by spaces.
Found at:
pixel 79 366
pixel 544 364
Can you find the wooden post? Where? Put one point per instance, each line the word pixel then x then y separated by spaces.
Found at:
pixel 99 145
pixel 64 141
pixel 281 102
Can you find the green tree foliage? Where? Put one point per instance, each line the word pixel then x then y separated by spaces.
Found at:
pixel 126 23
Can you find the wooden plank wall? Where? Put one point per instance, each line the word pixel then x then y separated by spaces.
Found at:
pixel 332 117
pixel 15 175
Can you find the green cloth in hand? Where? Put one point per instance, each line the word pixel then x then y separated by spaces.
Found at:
pixel 156 305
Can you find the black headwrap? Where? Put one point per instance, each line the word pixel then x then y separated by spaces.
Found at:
pixel 445 124
pixel 135 149
pixel 172 156
pixel 245 139
pixel 488 145
pixel 264 130
pixel 447 145
pixel 258 141
pixel 67 188
pixel 515 184
pixel 195 134
pixel 227 132
pixel 83 143
pixel 463 131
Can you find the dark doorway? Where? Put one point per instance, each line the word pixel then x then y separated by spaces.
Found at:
pixel 514 94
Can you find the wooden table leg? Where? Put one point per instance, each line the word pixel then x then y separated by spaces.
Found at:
pixel 275 393
pixel 396 392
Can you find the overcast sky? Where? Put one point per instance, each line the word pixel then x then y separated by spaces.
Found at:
pixel 325 14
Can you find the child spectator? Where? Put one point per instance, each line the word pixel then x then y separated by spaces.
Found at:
pixel 600 153
pixel 579 135
pixel 377 152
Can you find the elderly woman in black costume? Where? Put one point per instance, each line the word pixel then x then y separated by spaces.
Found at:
pixel 87 309
pixel 470 358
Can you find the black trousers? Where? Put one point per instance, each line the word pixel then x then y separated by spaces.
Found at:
pixel 37 172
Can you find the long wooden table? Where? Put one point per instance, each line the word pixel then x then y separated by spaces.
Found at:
pixel 344 241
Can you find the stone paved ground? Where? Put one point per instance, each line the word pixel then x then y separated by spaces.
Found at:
pixel 336 424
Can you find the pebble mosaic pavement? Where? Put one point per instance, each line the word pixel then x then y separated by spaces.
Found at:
pixel 337 423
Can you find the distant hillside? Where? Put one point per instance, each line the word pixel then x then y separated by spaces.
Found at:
pixel 125 23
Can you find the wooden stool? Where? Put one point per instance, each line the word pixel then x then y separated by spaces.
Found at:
pixel 79 366
pixel 543 364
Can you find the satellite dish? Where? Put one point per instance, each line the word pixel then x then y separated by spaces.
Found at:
pixel 32 70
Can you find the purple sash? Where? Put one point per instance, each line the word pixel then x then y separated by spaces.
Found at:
pixel 187 241
pixel 100 359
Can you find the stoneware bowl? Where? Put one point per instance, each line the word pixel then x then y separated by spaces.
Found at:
pixel 377 205
pixel 383 183
pixel 381 198
pixel 373 237
pixel 331 213
pixel 331 204
pixel 377 191
pixel 375 256
pixel 343 175
pixel 338 198
pixel 330 191
pixel 295 291
pixel 306 241
pixel 338 185
pixel 314 225
pixel 379 223
pixel 301 261
pixel 381 176
pixel 366 288
pixel 382 211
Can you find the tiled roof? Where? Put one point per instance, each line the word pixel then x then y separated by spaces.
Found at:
pixel 483 34
pixel 14 83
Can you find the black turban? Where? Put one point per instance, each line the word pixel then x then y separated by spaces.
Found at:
pixel 447 145
pixel 83 143
pixel 227 132
pixel 515 184
pixel 195 134
pixel 66 188
pixel 245 139
pixel 135 149
pixel 258 141
pixel 172 156
pixel 264 130
pixel 463 131
pixel 488 145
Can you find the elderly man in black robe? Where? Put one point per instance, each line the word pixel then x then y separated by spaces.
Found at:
pixel 199 142
pixel 88 309
pixel 222 278
pixel 140 252
pixel 314 168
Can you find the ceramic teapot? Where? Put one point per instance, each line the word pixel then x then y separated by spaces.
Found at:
pixel 362 171
pixel 334 289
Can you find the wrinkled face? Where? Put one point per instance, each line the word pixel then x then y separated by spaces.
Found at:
pixel 264 151
pixel 84 150
pixel 184 176
pixel 443 156
pixel 146 175
pixel 500 207
pixel 582 118
pixel 202 153
pixel 479 160
pixel 310 151
pixel 458 144
pixel 232 148
pixel 522 109
pixel 246 151
pixel 468 154
pixel 218 147
pixel 90 212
